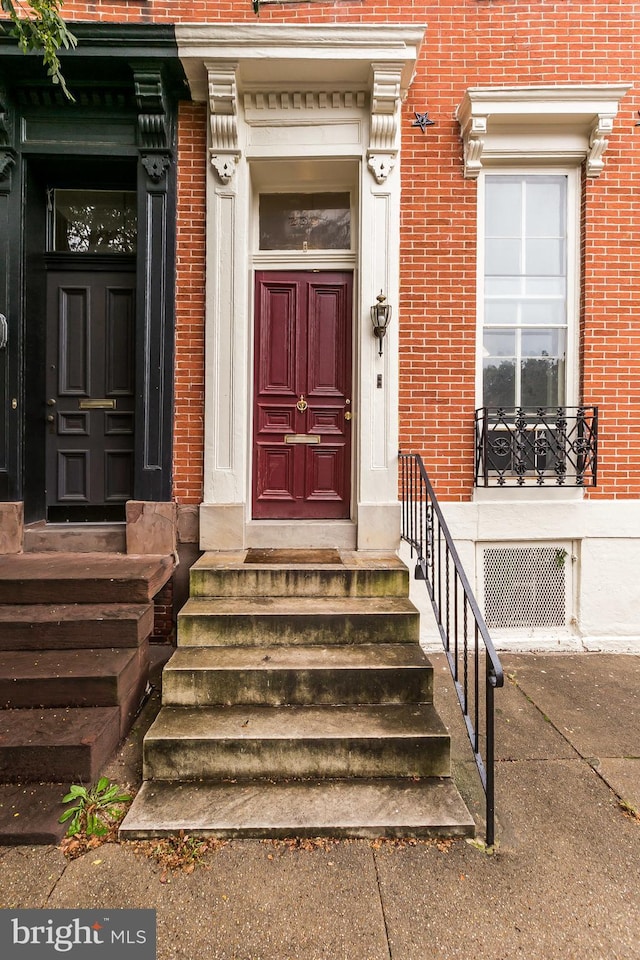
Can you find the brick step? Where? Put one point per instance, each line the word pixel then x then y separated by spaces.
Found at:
pixel 75 537
pixel 364 575
pixel 64 578
pixel 71 678
pixel 62 745
pixel 275 621
pixel 28 626
pixel 335 808
pixel 362 673
pixel 242 742
pixel 30 812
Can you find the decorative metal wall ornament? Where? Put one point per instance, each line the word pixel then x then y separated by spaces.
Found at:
pixel 423 121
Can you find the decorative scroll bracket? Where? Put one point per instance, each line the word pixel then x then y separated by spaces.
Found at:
pixel 598 143
pixel 224 152
pixel 473 147
pixel 154 131
pixel 385 116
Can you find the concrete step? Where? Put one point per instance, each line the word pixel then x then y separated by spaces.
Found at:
pixel 28 626
pixel 275 621
pixel 63 745
pixel 361 673
pixel 390 740
pixel 334 808
pixel 70 678
pixel 357 575
pixel 63 578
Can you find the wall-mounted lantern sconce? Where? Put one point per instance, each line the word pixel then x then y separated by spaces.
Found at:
pixel 380 316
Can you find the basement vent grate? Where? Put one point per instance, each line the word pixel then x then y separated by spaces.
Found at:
pixel 525 587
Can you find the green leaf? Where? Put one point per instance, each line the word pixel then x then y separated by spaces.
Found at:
pixel 38 26
pixel 75 792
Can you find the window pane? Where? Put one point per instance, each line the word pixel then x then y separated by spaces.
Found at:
pixel 309 221
pixel 502 258
pixel 503 207
pixel 545 286
pixel 545 205
pixel 544 257
pixel 542 343
pixel 95 221
pixel 502 286
pixel 540 380
pixel 499 387
pixel 501 312
pixel 543 311
pixel 499 344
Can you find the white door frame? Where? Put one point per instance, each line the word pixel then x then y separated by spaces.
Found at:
pixel 281 93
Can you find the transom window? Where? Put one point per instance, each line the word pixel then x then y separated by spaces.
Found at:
pixel 305 221
pixel 524 343
pixel 94 221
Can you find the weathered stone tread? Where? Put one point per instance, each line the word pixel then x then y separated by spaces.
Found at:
pixel 339 808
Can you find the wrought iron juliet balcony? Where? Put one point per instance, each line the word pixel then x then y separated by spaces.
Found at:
pixel 545 446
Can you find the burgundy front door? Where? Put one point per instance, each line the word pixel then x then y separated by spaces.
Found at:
pixel 302 396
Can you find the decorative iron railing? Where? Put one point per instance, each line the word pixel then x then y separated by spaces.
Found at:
pixel 473 661
pixel 520 447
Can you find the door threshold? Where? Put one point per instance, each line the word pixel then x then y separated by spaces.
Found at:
pixel 301 534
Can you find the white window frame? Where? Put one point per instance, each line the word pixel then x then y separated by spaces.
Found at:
pixel 573 271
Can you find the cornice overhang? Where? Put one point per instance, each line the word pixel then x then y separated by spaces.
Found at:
pixel 331 54
pixel 538 124
pixel 103 60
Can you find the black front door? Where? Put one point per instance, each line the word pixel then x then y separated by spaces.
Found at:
pixel 90 391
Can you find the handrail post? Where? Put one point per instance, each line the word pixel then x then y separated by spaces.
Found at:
pixel 490 763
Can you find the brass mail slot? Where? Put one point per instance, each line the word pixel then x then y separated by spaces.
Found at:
pixel 96 404
pixel 302 438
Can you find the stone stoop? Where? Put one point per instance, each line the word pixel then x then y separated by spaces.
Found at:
pixel 298 703
pixel 74 666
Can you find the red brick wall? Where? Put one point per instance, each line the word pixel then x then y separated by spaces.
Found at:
pixel 468 43
pixel 190 305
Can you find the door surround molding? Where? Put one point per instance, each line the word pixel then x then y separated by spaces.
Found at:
pixel 288 93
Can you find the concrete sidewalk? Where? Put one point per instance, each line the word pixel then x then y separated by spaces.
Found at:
pixel 563 884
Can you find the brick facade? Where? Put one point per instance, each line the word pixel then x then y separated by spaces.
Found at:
pixel 467 43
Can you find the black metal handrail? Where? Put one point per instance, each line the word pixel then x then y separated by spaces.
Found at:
pixel 520 446
pixel 460 623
